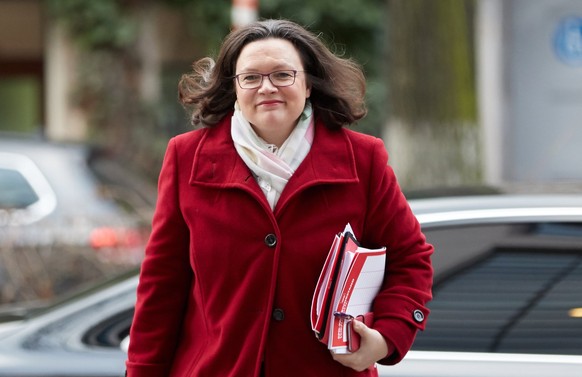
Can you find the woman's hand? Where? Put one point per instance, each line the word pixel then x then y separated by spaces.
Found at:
pixel 373 347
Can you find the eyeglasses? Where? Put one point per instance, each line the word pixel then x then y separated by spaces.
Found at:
pixel 255 80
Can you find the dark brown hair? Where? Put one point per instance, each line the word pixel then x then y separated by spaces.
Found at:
pixel 337 84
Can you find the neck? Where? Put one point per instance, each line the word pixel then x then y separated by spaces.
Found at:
pixel 276 137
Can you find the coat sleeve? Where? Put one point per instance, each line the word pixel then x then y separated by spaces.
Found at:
pixel 165 280
pixel 400 307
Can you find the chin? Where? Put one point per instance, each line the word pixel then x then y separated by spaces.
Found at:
pixel 270 120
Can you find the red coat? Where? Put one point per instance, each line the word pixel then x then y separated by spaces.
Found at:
pixel 226 283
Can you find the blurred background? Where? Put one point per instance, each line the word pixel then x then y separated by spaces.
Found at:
pixel 467 95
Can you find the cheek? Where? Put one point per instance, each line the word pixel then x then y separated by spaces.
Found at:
pixel 245 103
pixel 243 98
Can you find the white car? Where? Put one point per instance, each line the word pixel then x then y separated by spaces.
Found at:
pixel 507 298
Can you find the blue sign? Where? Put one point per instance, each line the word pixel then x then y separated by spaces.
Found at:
pixel 568 41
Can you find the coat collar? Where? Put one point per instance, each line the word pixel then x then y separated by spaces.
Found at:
pixel 217 164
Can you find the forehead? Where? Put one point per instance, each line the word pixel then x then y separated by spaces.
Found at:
pixel 270 53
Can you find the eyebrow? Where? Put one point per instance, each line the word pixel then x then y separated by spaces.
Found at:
pixel 277 67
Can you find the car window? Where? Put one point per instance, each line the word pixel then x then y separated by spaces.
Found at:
pixel 518 292
pixel 25 194
pixel 110 332
pixel 15 191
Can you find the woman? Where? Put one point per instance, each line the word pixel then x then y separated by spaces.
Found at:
pixel 248 206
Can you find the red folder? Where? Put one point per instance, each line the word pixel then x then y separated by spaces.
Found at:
pixel 349 281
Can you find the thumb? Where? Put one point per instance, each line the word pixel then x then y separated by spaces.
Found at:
pixel 359 327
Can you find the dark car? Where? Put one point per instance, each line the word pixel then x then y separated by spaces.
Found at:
pixel 507 300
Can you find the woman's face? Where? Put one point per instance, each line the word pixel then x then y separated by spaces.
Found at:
pixel 272 111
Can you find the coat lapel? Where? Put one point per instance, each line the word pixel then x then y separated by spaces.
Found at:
pixel 217 164
pixel 330 161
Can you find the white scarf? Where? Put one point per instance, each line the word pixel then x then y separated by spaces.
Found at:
pixel 272 166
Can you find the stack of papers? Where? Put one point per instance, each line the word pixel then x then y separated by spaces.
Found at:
pixel 349 281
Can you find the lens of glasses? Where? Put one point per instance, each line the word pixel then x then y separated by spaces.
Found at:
pixel 277 78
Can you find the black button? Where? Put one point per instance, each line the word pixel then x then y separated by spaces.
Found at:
pixel 418 316
pixel 278 314
pixel 270 240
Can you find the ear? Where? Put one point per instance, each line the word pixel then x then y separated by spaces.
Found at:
pixel 308 91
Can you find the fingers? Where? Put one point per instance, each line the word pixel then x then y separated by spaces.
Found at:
pixel 360 327
pixel 355 360
pixel 373 347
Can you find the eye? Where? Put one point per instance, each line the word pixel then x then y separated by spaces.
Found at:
pixel 283 75
pixel 250 77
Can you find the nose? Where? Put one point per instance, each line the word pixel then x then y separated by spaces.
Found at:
pixel 267 85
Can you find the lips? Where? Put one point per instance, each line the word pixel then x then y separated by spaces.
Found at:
pixel 269 102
